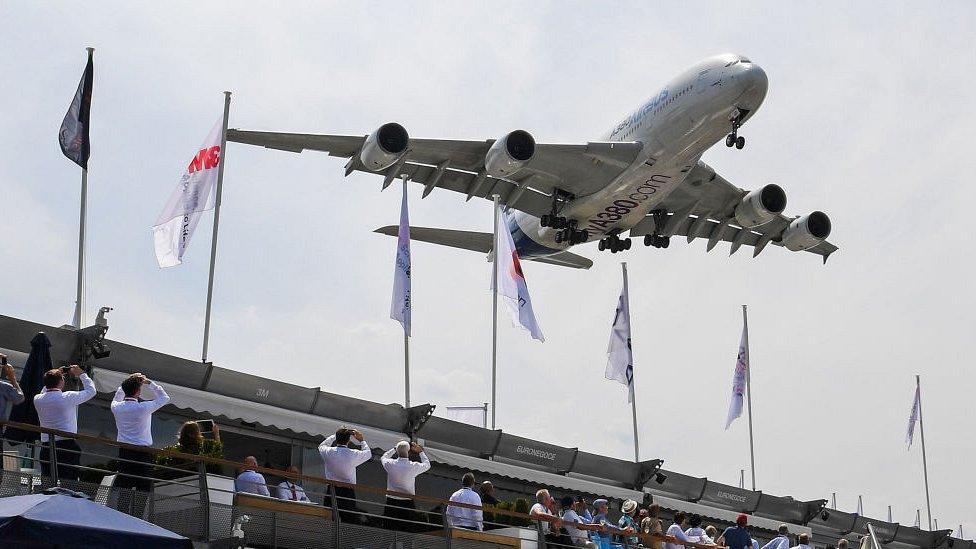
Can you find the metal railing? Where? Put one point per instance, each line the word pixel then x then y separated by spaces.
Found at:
pixel 205 506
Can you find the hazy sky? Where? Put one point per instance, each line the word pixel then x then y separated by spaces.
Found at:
pixel 868 117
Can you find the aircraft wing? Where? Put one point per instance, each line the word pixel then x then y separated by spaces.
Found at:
pixel 458 165
pixel 480 242
pixel 703 206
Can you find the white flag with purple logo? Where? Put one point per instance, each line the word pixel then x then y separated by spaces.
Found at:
pixel 195 194
pixel 913 418
pixel 400 307
pixel 511 281
pixel 739 379
pixel 620 355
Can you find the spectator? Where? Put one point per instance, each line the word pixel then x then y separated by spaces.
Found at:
pixel 736 537
pixel 601 517
pixel 465 517
pixel 57 409
pixel 10 392
pixel 677 531
pixel 695 533
pixel 583 510
pixel 401 476
pixel 579 537
pixel 544 508
pixel 652 525
pixel 781 541
pixel 289 490
pixel 190 440
pixel 133 422
pixel 711 531
pixel 842 543
pixel 627 522
pixel 803 542
pixel 487 493
pixel 250 481
pixel 340 465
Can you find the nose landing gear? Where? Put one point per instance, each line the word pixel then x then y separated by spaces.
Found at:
pixel 734 139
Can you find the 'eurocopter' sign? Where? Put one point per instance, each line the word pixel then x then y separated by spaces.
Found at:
pixel 532 451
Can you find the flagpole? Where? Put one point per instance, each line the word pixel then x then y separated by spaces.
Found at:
pixel 752 451
pixel 925 467
pixel 494 310
pixel 406 370
pixel 216 223
pixel 633 395
pixel 80 292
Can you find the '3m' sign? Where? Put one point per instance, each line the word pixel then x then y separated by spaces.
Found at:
pixel 205 159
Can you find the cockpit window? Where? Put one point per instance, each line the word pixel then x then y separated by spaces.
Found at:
pixel 745 60
pixel 730 63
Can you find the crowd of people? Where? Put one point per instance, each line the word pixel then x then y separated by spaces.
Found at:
pixel 561 522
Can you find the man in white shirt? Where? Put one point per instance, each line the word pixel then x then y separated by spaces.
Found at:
pixel 401 476
pixel 465 517
pixel 781 541
pixel 677 530
pixel 340 465
pixel 250 481
pixel 58 409
pixel 570 517
pixel 291 491
pixel 133 422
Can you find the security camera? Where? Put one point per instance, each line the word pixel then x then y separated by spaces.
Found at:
pixel 100 320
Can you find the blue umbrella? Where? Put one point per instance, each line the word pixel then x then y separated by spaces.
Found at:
pixel 31 382
pixel 61 518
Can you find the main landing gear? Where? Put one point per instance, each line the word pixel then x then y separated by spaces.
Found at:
pixel 657 240
pixel 734 139
pixel 567 232
pixel 614 243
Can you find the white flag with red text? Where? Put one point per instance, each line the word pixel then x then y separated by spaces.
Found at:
pixel 913 417
pixel 739 379
pixel 195 194
pixel 511 281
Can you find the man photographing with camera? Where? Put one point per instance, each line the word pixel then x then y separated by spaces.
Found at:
pixel 133 421
pixel 58 409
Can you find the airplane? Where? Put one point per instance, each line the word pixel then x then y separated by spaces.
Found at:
pixel 644 177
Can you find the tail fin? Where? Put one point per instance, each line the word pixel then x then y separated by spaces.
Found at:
pixel 481 242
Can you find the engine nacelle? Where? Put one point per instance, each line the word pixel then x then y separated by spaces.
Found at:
pixel 509 154
pixel 384 146
pixel 807 231
pixel 760 206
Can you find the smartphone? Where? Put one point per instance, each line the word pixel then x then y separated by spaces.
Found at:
pixel 3 360
pixel 206 426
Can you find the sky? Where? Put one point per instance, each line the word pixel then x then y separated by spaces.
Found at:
pixel 868 118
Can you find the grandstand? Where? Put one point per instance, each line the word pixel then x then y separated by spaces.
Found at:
pixel 282 424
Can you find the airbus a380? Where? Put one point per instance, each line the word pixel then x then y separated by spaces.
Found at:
pixel 644 177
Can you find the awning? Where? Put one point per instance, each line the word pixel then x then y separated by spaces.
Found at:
pixel 532 476
pixel 185 398
pixel 724 515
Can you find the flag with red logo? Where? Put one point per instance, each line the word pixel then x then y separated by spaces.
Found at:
pixel 195 194
pixel 511 281
pixel 739 378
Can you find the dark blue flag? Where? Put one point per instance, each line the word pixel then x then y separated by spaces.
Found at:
pixel 74 130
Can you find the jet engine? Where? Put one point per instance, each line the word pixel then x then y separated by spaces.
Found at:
pixel 760 206
pixel 807 231
pixel 509 154
pixel 384 146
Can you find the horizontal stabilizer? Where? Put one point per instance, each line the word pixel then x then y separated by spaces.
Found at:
pixel 481 242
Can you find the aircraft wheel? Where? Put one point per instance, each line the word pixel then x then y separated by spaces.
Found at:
pixel 729 140
pixel 666 242
pixel 559 237
pixel 626 243
pixel 740 142
pixel 544 220
pixel 602 245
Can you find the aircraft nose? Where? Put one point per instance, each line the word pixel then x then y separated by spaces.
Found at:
pixel 753 83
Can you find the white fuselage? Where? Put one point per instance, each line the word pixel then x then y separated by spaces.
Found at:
pixel 676 126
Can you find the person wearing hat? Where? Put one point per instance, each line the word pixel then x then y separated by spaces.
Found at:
pixel 579 537
pixel 781 541
pixel 627 522
pixel 736 537
pixel 602 508
pixel 677 531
